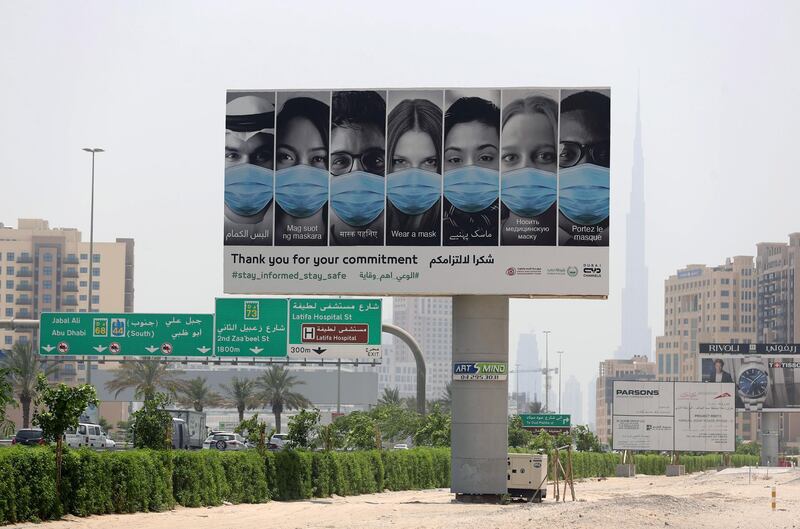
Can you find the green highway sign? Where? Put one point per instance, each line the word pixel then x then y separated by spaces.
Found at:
pixel 125 334
pixel 335 328
pixel 545 420
pixel 250 327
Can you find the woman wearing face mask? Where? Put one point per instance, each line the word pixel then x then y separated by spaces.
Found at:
pixel 414 184
pixel 358 163
pixel 249 124
pixel 528 184
pixel 471 182
pixel 583 175
pixel 301 178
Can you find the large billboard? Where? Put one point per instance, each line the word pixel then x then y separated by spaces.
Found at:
pixel 429 191
pixel 679 416
pixel 767 376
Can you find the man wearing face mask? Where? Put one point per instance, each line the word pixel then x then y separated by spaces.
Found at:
pixel 583 175
pixel 471 181
pixel 357 166
pixel 249 162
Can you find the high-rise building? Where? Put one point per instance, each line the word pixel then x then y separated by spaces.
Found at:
pixel 636 334
pixel 572 399
pixel 635 368
pixel 705 304
pixel 527 378
pixel 778 269
pixel 429 320
pixel 45 269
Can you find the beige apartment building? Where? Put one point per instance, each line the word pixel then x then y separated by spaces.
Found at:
pixel 778 266
pixel 637 368
pixel 44 269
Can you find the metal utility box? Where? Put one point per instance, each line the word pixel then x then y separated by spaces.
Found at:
pixel 527 476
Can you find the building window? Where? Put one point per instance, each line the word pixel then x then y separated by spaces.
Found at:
pixel 84 256
pixel 48 258
pixel 10 283
pixel 84 283
pixel 10 312
pixel 47 284
pixel 47 270
pixel 83 297
pixel 8 340
pixel 9 298
pixel 84 270
pixel 10 270
pixel 47 299
pixel 96 258
pixel 95 285
pixel 10 256
pixel 96 272
pixel 23 339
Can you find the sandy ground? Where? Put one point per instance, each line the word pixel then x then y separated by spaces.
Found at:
pixel 704 500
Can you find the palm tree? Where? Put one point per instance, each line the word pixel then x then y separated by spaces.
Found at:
pixel 196 394
pixel 145 377
pixel 390 397
pixel 276 390
pixel 535 407
pixel 446 400
pixel 241 394
pixel 25 365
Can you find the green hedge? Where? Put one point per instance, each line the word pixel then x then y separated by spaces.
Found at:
pixel 144 480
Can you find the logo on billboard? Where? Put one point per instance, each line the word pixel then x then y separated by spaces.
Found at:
pixel 638 392
pixel 723 395
pixel 572 271
pixel 510 271
pixel 592 270
pixel 118 327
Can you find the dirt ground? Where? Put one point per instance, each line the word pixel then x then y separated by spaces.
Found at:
pixel 703 500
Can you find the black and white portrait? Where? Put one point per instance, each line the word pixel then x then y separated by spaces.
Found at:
pixel 471 168
pixel 358 168
pixel 301 168
pixel 414 171
pixel 249 164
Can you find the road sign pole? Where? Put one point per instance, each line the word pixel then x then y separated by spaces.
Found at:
pixel 339 386
pixel 479 437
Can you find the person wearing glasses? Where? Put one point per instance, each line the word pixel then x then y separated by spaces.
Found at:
pixel 528 182
pixel 249 160
pixel 301 179
pixel 583 161
pixel 471 182
pixel 414 183
pixel 357 165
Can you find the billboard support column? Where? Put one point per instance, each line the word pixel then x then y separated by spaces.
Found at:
pixel 479 437
pixel 770 438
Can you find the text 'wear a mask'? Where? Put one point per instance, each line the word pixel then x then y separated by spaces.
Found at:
pixel 358 197
pixel 301 190
pixel 248 188
pixel 414 191
pixel 584 193
pixel 471 188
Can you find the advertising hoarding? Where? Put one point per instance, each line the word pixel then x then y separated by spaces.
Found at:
pixel 431 191
pixel 480 371
pixel 680 416
pixel 767 376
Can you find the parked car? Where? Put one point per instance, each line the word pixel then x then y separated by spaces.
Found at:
pixel 28 437
pixel 110 443
pixel 87 434
pixel 225 441
pixel 277 441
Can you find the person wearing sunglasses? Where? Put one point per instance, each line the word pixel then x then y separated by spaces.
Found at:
pixel 583 176
pixel 301 179
pixel 414 183
pixel 249 161
pixel 357 167
pixel 528 184
pixel 471 182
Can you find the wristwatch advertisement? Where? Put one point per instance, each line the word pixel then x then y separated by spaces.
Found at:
pixel 752 384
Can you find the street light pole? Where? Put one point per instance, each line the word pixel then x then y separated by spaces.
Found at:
pixel 546 371
pixel 93 150
pixel 559 380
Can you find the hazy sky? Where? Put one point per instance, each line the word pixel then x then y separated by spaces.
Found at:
pixel 146 81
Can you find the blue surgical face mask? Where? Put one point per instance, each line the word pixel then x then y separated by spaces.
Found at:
pixel 248 188
pixel 301 190
pixel 414 191
pixel 583 193
pixel 528 192
pixel 357 197
pixel 472 188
